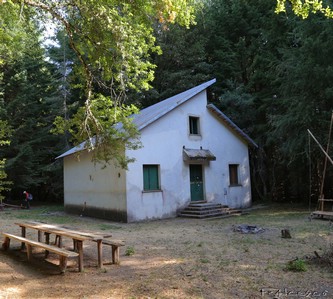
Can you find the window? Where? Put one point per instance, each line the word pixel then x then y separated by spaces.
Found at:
pixel 233 174
pixel 151 177
pixel 194 125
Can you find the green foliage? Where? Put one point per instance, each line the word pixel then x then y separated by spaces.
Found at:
pixel 29 103
pixel 305 7
pixel 113 41
pixel 297 265
pixel 83 88
pixel 129 251
pixel 117 131
pixel 182 63
pixel 273 75
pixel 204 260
pixel 4 134
pixel 109 227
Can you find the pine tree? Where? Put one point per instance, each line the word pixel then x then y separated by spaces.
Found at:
pixel 30 102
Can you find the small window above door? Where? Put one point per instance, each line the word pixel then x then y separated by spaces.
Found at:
pixel 194 125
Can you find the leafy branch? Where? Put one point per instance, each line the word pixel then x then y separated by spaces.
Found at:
pixel 303 8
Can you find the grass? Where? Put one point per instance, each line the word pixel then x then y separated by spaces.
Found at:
pixel 43 213
pixel 208 255
pixel 129 251
pixel 106 226
pixel 297 265
pixel 204 260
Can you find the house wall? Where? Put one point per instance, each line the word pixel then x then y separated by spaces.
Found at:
pixel 94 189
pixel 163 143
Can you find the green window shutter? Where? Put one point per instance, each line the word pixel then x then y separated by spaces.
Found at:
pixel 150 177
pixel 145 177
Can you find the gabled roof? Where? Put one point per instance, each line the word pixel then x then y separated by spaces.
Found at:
pixel 230 124
pixel 152 113
pixel 75 149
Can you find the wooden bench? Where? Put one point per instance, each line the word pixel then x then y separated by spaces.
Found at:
pixel 64 254
pixel 115 246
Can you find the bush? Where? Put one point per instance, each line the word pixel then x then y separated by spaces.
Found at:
pixel 297 265
pixel 129 251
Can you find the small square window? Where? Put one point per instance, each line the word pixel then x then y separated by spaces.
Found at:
pixel 233 175
pixel 194 125
pixel 151 177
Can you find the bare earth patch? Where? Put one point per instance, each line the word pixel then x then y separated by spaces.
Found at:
pixel 177 258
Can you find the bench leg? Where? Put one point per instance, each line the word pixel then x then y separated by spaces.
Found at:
pixel 23 233
pixel 39 236
pixel 100 253
pixel 29 252
pixel 62 263
pixel 58 241
pixel 47 241
pixel 79 247
pixel 115 254
pixel 6 243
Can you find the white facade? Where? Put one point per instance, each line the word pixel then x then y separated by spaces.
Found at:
pixel 92 189
pixel 119 195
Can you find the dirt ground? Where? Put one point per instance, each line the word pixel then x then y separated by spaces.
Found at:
pixel 177 258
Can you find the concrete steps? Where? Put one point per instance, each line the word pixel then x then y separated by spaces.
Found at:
pixel 202 210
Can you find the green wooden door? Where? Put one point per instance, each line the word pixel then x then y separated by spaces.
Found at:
pixel 196 182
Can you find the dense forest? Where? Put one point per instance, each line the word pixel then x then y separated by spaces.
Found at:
pixel 274 74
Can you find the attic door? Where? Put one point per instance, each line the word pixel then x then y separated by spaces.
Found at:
pixel 196 181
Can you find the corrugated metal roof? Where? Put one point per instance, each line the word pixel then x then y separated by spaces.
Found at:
pixel 229 123
pixel 150 114
pixel 76 149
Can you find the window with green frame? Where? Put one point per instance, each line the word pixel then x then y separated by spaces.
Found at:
pixel 151 177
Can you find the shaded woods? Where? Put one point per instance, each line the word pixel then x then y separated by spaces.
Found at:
pixel 273 71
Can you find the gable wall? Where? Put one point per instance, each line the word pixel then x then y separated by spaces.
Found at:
pixel 94 190
pixel 163 144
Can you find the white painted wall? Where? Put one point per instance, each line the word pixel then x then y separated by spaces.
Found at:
pixel 163 143
pixel 111 188
pixel 93 185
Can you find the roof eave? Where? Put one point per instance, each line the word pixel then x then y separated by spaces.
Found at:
pixel 230 124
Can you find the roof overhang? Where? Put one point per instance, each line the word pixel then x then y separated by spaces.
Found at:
pixel 227 121
pixel 198 155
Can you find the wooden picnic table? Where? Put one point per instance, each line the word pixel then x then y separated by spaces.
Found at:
pixel 78 237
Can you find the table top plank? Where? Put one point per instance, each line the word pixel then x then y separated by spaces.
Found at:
pixel 58 230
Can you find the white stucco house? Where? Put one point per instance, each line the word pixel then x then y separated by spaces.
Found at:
pixel 191 152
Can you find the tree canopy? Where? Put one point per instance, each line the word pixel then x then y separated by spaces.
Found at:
pixel 303 8
pixel 113 41
pixel 273 71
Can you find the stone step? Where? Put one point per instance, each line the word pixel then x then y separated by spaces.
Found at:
pixel 204 212
pixel 207 205
pixel 202 216
pixel 207 210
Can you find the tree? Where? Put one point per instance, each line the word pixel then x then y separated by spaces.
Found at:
pixel 304 99
pixel 113 41
pixel 244 42
pixel 4 134
pixel 29 102
pixel 181 65
pixel 304 8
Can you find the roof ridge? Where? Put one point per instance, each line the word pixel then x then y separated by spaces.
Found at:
pixel 152 113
